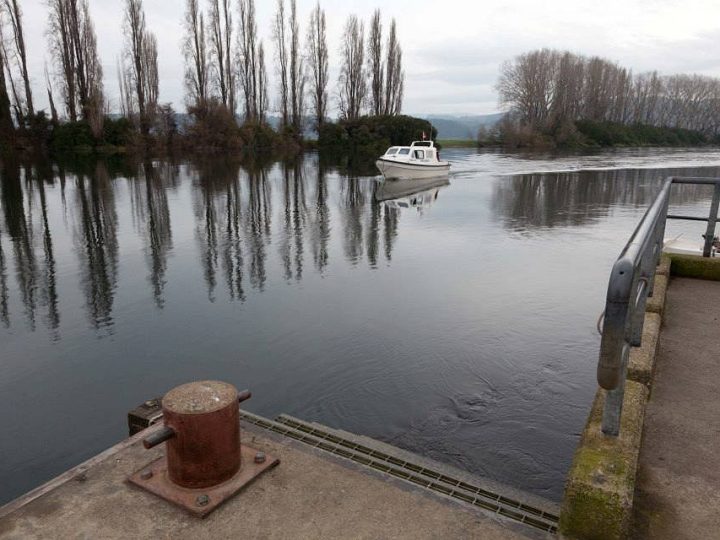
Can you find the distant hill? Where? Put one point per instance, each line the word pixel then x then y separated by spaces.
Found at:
pixel 461 127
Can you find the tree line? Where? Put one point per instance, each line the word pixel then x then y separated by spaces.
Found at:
pixel 225 76
pixel 548 91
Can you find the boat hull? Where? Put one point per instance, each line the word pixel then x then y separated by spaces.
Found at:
pixel 395 169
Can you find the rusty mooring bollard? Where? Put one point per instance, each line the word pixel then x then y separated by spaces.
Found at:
pixel 204 462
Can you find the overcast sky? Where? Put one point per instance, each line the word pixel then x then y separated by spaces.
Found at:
pixel 452 48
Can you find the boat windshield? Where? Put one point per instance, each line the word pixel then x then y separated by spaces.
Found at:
pixel 404 151
pixel 391 151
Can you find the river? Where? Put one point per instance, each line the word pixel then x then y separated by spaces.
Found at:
pixel 458 323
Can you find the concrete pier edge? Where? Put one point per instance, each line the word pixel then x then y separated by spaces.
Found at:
pixel 599 490
pixel 695 267
pixel 601 482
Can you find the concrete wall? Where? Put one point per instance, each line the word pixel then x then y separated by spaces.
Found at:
pixel 601 483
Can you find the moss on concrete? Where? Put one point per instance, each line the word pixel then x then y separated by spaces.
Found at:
pixel 600 486
pixel 641 363
pixel 695 267
pixel 663 267
pixel 656 302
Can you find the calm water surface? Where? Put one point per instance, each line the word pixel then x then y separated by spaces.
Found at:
pixel 458 323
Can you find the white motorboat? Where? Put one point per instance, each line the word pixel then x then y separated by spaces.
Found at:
pixel 419 160
pixel 683 246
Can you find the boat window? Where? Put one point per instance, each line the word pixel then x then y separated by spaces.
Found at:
pixel 404 151
pixel 419 154
pixel 391 151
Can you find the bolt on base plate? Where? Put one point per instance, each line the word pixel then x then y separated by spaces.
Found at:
pixel 200 502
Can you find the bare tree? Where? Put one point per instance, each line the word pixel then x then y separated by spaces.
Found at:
pixel 248 58
pixel 262 92
pixel 375 65
pixel 141 72
pixel 14 100
pixel 89 69
pixel 281 53
pixel 546 90
pixel 63 53
pixel 394 75
pixel 297 71
pixel 12 10
pixel 128 107
pixel 6 123
pixel 317 55
pixel 51 98
pixel 352 86
pixel 73 45
pixel 195 51
pixel 221 53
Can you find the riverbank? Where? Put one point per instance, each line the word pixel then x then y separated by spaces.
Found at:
pixel 588 135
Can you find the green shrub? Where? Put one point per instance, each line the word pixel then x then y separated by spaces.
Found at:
pixel 118 131
pixel 615 134
pixel 259 135
pixel 213 127
pixel 70 135
pixel 372 134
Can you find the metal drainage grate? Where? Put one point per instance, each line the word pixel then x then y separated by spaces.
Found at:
pixel 405 470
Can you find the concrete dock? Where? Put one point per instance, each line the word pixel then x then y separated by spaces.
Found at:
pixel 329 484
pixel 677 493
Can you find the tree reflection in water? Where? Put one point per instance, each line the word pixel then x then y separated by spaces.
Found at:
pixel 151 212
pixel 320 232
pixel 532 202
pixel 50 293
pixel 97 243
pixel 4 310
pixel 240 208
pixel 295 217
pixel 17 210
pixel 232 203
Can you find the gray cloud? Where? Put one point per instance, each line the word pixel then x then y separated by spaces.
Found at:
pixel 452 49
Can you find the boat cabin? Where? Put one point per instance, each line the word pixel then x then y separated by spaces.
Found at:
pixel 417 151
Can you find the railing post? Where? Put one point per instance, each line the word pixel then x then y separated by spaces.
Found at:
pixel 612 411
pixel 712 219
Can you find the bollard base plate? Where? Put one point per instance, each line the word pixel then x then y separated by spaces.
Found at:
pixel 200 502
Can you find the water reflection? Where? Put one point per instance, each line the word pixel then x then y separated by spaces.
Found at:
pixel 320 226
pixel 18 223
pixel 250 220
pixel 232 230
pixel 151 211
pixel 295 217
pixel 401 314
pixel 535 201
pixel 4 311
pixel 45 175
pixel 97 243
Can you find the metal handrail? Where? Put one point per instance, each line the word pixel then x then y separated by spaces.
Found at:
pixel 631 283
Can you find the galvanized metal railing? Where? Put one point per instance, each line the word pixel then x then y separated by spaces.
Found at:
pixel 631 283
